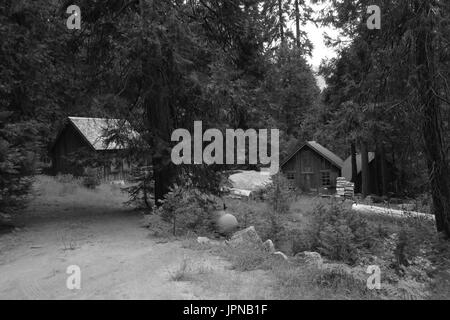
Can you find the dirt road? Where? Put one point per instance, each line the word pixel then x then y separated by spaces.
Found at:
pixel 116 256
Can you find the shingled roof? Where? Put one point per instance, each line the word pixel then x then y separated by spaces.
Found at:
pixel 95 130
pixel 321 150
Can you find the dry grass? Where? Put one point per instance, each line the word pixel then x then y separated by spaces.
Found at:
pixel 297 281
pixel 256 213
pixel 181 273
pixel 59 192
pixel 56 198
pixel 188 270
pixel 292 280
pixel 306 204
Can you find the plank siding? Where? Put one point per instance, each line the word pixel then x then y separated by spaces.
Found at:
pixel 307 168
pixel 70 141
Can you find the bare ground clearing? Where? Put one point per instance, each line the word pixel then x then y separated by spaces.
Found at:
pixel 118 259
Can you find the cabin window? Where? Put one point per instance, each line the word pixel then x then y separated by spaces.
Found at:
pixel 290 176
pixel 326 178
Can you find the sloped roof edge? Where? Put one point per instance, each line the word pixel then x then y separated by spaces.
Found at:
pixel 321 150
pixel 92 131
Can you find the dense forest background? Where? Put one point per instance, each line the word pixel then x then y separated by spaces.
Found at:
pixel 232 64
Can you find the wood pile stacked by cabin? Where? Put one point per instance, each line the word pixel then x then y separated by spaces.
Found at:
pixel 345 188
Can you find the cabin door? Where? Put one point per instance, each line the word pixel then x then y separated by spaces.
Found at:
pixel 308 181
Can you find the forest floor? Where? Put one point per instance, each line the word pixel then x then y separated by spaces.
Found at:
pixel 66 224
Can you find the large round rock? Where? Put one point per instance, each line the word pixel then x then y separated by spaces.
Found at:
pixel 227 223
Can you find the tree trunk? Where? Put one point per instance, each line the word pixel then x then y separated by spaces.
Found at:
pixel 432 119
pixel 156 83
pixel 144 192
pixel 384 173
pixel 354 168
pixel 375 179
pixel 159 114
pixel 281 18
pixel 365 169
pixel 297 23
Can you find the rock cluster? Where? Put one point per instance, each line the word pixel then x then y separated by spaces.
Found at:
pixel 248 239
pixel 310 258
pixel 269 246
pixel 315 260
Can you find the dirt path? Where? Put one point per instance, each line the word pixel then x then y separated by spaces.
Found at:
pixel 117 259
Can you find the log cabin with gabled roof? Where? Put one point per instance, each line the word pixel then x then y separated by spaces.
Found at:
pixel 90 135
pixel 312 168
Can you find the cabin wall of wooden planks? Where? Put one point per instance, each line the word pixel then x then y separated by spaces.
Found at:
pixel 308 171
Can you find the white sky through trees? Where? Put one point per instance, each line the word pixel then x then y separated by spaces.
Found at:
pixel 316 36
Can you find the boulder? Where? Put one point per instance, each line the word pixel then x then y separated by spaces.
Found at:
pixel 203 240
pixel 246 238
pixel 227 223
pixel 280 256
pixel 310 258
pixel 268 246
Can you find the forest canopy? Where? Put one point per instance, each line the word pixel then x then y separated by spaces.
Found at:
pixel 162 65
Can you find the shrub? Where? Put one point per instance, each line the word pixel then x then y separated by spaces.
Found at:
pixel 157 227
pixel 279 198
pixel 400 251
pixel 410 242
pixel 19 151
pixel 205 178
pixel 252 213
pixel 141 190
pixel 279 194
pixel 339 234
pixel 337 242
pixel 408 289
pixel 188 209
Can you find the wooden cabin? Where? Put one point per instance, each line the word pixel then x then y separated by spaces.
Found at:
pixel 313 168
pixel 88 137
pixel 374 173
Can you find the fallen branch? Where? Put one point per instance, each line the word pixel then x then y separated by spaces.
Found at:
pixel 390 212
